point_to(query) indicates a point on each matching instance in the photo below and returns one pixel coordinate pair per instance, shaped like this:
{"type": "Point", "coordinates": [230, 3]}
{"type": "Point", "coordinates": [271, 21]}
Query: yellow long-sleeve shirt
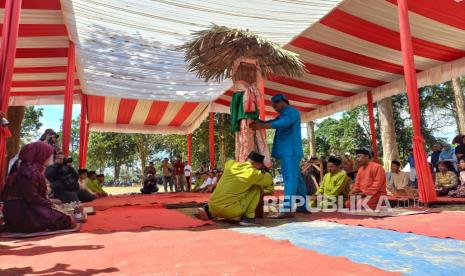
{"type": "Point", "coordinates": [237, 180]}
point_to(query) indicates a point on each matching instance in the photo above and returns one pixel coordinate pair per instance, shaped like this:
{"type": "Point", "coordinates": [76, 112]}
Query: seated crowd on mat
{"type": "Point", "coordinates": [40, 182]}
{"type": "Point", "coordinates": [178, 176]}
{"type": "Point", "coordinates": [449, 168]}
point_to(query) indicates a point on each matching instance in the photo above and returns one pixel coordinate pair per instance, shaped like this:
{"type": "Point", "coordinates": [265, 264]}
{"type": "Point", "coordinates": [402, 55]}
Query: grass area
{"type": "Point", "coordinates": [122, 190]}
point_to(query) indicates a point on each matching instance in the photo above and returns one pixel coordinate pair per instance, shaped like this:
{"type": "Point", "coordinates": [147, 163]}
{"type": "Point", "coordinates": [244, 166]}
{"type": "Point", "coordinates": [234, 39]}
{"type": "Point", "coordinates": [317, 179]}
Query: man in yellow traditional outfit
{"type": "Point", "coordinates": [335, 183]}
{"type": "Point", "coordinates": [237, 194]}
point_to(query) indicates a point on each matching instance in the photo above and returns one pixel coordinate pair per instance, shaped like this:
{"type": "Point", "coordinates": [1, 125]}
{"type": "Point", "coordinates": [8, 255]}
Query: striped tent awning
{"type": "Point", "coordinates": [136, 81]}
{"type": "Point", "coordinates": [113, 114]}
{"type": "Point", "coordinates": [356, 48]}
{"type": "Point", "coordinates": [41, 55]}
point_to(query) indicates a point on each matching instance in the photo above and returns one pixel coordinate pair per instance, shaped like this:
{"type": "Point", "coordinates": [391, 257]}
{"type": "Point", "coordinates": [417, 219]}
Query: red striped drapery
{"type": "Point", "coordinates": [426, 189]}
{"type": "Point", "coordinates": [68, 104]}
{"type": "Point", "coordinates": [83, 133]}
{"type": "Point", "coordinates": [7, 57]}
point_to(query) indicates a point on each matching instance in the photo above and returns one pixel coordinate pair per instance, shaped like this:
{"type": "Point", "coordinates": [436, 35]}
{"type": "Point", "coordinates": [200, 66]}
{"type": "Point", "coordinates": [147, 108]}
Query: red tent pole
{"type": "Point", "coordinates": [82, 132]}
{"type": "Point", "coordinates": [68, 110]}
{"type": "Point", "coordinates": [86, 147]}
{"type": "Point", "coordinates": [371, 117]}
{"type": "Point", "coordinates": [212, 140]}
{"type": "Point", "coordinates": [7, 59]}
{"type": "Point", "coordinates": [189, 148]}
{"type": "Point", "coordinates": [189, 156]}
{"type": "Point", "coordinates": [261, 103]}
{"type": "Point", "coordinates": [426, 189]}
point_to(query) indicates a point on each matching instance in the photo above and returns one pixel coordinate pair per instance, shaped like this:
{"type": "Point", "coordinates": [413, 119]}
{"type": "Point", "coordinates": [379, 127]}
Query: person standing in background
{"type": "Point", "coordinates": [188, 174]}
{"type": "Point", "coordinates": [167, 171]}
{"type": "Point", "coordinates": [181, 184]}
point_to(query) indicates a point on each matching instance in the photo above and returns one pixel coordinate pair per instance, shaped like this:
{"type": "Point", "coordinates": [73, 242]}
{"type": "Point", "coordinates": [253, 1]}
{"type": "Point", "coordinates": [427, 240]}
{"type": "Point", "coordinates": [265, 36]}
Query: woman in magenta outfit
{"type": "Point", "coordinates": [26, 206]}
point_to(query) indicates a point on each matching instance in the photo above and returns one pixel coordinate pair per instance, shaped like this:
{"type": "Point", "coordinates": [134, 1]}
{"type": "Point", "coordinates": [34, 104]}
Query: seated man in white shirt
{"type": "Point", "coordinates": [398, 184]}
{"type": "Point", "coordinates": [210, 181]}
{"type": "Point", "coordinates": [188, 175]}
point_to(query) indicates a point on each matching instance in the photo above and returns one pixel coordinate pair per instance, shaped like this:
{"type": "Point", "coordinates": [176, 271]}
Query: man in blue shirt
{"type": "Point", "coordinates": [287, 147]}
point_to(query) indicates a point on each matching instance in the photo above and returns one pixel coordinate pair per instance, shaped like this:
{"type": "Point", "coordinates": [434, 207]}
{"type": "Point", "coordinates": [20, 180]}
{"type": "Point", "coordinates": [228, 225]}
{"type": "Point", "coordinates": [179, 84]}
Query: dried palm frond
{"type": "Point", "coordinates": [212, 52]}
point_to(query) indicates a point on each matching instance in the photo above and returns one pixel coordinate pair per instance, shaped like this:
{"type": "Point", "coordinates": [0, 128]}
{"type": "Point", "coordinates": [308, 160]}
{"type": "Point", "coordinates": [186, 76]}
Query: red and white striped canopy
{"type": "Point", "coordinates": [354, 49]}
{"type": "Point", "coordinates": [41, 55]}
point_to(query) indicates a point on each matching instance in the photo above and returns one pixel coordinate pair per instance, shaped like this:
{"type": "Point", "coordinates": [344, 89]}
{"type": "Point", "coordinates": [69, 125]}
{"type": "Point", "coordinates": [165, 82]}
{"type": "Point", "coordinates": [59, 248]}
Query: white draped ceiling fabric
{"type": "Point", "coordinates": [136, 81]}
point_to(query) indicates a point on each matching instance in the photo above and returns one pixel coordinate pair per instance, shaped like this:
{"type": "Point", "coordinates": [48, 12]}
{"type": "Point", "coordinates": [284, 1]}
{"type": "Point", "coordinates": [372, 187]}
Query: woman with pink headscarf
{"type": "Point", "coordinates": [26, 206]}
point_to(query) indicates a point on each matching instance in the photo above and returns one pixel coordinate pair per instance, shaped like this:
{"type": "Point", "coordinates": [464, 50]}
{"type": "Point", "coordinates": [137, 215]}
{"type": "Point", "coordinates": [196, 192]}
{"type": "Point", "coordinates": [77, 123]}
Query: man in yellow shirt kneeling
{"type": "Point", "coordinates": [237, 194]}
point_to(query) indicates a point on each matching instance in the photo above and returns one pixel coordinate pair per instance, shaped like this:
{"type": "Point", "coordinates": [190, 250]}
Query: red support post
{"type": "Point", "coordinates": [7, 59]}
{"type": "Point", "coordinates": [189, 148]}
{"type": "Point", "coordinates": [426, 188]}
{"type": "Point", "coordinates": [83, 133]}
{"type": "Point", "coordinates": [371, 117]}
{"type": "Point", "coordinates": [261, 103]}
{"type": "Point", "coordinates": [68, 110]}
{"type": "Point", "coordinates": [212, 140]}
{"type": "Point", "coordinates": [86, 147]}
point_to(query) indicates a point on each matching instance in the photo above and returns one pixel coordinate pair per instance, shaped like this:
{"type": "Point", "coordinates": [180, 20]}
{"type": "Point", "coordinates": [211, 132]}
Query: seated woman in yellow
{"type": "Point", "coordinates": [335, 183]}
{"type": "Point", "coordinates": [237, 194]}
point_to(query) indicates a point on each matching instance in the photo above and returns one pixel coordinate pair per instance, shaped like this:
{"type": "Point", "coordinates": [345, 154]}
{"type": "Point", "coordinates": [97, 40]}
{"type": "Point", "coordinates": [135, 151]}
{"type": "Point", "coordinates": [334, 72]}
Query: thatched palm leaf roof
{"type": "Point", "coordinates": [212, 52]}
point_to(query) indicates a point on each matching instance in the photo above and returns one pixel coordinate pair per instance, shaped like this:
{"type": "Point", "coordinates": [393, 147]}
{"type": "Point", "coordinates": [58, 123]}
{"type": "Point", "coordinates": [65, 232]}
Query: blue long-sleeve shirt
{"type": "Point", "coordinates": [288, 137]}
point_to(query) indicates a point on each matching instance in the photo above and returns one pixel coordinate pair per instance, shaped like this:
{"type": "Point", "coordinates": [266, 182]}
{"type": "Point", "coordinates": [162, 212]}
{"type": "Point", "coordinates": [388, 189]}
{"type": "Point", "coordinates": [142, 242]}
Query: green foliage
{"type": "Point", "coordinates": [31, 124]}
{"type": "Point", "coordinates": [74, 145]}
{"type": "Point", "coordinates": [111, 150]}
{"type": "Point", "coordinates": [339, 136]}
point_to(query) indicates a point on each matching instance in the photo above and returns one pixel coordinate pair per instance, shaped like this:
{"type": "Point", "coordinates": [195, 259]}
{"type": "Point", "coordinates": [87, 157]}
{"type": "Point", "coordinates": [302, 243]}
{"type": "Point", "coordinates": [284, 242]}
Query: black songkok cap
{"type": "Point", "coordinates": [256, 157]}
{"type": "Point", "coordinates": [363, 151]}
{"type": "Point", "coordinates": [336, 161]}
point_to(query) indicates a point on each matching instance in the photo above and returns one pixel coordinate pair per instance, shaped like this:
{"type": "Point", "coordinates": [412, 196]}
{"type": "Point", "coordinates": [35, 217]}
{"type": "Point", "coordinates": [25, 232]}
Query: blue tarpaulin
{"type": "Point", "coordinates": [409, 254]}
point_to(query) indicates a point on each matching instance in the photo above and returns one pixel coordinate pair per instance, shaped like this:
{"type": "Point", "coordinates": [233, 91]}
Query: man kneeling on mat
{"type": "Point", "coordinates": [237, 194]}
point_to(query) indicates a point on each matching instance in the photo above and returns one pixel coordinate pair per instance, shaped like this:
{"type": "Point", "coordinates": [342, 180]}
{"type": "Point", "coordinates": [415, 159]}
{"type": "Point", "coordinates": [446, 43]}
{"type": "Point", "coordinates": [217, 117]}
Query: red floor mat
{"type": "Point", "coordinates": [441, 199]}
{"type": "Point", "coordinates": [130, 218]}
{"type": "Point", "coordinates": [214, 252]}
{"type": "Point", "coordinates": [168, 198]}
{"type": "Point", "coordinates": [440, 225]}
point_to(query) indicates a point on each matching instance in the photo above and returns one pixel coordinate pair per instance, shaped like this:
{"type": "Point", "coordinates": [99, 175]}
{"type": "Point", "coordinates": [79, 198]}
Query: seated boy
{"type": "Point", "coordinates": [335, 183]}
{"type": "Point", "coordinates": [398, 184]}
{"type": "Point", "coordinates": [150, 185]}
{"type": "Point", "coordinates": [211, 180]}
{"type": "Point", "coordinates": [94, 186]}
{"type": "Point", "coordinates": [84, 193]}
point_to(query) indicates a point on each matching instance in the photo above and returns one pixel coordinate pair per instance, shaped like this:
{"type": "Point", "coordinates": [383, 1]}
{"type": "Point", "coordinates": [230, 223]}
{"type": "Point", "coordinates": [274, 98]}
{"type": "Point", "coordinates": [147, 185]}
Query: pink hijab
{"type": "Point", "coordinates": [37, 152]}
{"type": "Point", "coordinates": [33, 157]}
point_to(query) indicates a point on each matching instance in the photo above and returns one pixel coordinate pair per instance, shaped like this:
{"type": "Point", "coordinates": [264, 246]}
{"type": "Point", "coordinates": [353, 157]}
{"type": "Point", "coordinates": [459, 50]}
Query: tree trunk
{"type": "Point", "coordinates": [388, 133]}
{"type": "Point", "coordinates": [15, 116]}
{"type": "Point", "coordinates": [141, 145]}
{"type": "Point", "coordinates": [459, 105]}
{"type": "Point", "coordinates": [117, 169]}
{"type": "Point", "coordinates": [311, 138]}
